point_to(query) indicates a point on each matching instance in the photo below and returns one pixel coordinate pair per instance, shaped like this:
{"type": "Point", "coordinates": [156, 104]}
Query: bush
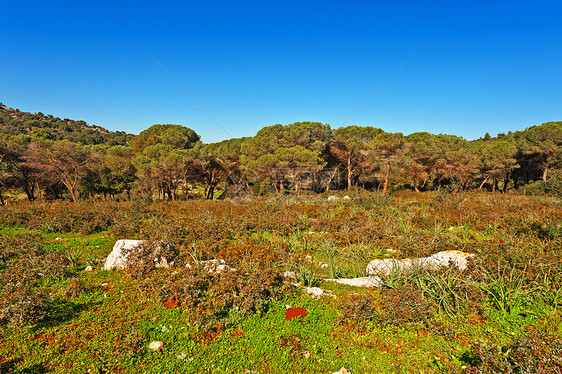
{"type": "Point", "coordinates": [533, 353]}
{"type": "Point", "coordinates": [219, 299]}
{"type": "Point", "coordinates": [552, 187]}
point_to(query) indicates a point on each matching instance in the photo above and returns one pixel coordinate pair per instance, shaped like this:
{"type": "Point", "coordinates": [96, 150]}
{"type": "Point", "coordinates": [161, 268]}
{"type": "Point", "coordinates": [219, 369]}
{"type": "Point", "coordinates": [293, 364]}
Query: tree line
{"type": "Point", "coordinates": [170, 161]}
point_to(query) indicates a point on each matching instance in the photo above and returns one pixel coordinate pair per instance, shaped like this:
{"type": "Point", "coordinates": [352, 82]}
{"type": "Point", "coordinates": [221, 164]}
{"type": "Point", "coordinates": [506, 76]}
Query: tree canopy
{"type": "Point", "coordinates": [45, 156]}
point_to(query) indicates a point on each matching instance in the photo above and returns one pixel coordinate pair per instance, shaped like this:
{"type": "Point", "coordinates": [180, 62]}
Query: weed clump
{"type": "Point", "coordinates": [216, 300]}
{"type": "Point", "coordinates": [533, 353]}
{"type": "Point", "coordinates": [24, 266]}
{"type": "Point", "coordinates": [22, 304]}
{"type": "Point", "coordinates": [403, 305]}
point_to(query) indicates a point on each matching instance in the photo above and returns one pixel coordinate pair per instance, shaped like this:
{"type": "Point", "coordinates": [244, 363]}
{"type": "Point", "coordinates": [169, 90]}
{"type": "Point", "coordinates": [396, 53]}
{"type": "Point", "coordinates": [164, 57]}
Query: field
{"type": "Point", "coordinates": [502, 314]}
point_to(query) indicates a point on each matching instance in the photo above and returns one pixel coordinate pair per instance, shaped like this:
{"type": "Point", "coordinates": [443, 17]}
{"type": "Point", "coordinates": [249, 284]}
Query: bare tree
{"type": "Point", "coordinates": [62, 162]}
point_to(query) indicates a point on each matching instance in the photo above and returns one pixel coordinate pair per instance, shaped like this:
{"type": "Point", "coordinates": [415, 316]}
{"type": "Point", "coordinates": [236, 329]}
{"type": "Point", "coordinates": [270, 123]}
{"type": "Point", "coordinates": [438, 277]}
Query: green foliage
{"type": "Point", "coordinates": [533, 352]}
{"type": "Point", "coordinates": [46, 127]}
{"type": "Point", "coordinates": [174, 136]}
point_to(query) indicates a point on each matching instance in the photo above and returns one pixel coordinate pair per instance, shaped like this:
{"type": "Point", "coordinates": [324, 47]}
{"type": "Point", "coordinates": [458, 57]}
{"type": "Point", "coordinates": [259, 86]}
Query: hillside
{"type": "Point", "coordinates": [45, 126]}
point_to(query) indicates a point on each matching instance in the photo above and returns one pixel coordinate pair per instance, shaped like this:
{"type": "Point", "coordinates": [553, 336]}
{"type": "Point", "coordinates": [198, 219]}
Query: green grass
{"type": "Point", "coordinates": [103, 321]}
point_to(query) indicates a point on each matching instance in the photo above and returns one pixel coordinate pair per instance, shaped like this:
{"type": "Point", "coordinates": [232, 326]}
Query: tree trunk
{"type": "Point", "coordinates": [484, 182]}
{"type": "Point", "coordinates": [505, 183]}
{"type": "Point", "coordinates": [545, 173]}
{"type": "Point", "coordinates": [415, 182]}
{"type": "Point", "coordinates": [386, 177]}
{"type": "Point", "coordinates": [71, 190]}
{"type": "Point", "coordinates": [349, 171]}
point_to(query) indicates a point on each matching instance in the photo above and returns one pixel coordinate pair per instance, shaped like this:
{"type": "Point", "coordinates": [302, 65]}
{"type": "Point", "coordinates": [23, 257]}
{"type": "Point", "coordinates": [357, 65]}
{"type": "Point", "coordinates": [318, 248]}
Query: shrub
{"type": "Point", "coordinates": [404, 304]}
{"type": "Point", "coordinates": [358, 309]}
{"type": "Point", "coordinates": [219, 299]}
{"type": "Point", "coordinates": [532, 353]}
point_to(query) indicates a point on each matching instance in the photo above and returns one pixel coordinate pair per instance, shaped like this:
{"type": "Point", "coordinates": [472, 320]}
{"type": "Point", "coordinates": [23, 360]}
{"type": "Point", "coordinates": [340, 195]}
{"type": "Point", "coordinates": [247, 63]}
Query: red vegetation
{"type": "Point", "coordinates": [172, 303]}
{"type": "Point", "coordinates": [295, 312]}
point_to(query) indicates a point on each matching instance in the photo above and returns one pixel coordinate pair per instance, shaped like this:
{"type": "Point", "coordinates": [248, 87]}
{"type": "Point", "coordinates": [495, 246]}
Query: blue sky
{"type": "Point", "coordinates": [477, 67]}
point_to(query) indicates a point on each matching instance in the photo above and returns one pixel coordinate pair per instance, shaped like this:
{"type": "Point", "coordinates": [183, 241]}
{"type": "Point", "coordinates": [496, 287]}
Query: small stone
{"type": "Point", "coordinates": [315, 291]}
{"type": "Point", "coordinates": [89, 268]}
{"type": "Point", "coordinates": [346, 197]}
{"type": "Point", "coordinates": [332, 198]}
{"type": "Point", "coordinates": [343, 371]}
{"type": "Point", "coordinates": [289, 274]}
{"type": "Point", "coordinates": [156, 345]}
{"type": "Point", "coordinates": [57, 239]}
{"type": "Point", "coordinates": [306, 354]}
{"type": "Point", "coordinates": [324, 266]}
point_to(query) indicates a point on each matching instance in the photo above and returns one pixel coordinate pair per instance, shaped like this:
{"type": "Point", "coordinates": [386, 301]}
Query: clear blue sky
{"type": "Point", "coordinates": [478, 66]}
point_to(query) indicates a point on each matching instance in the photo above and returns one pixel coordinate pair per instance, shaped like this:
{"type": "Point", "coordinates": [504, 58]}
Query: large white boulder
{"type": "Point", "coordinates": [438, 260]}
{"type": "Point", "coordinates": [162, 253]}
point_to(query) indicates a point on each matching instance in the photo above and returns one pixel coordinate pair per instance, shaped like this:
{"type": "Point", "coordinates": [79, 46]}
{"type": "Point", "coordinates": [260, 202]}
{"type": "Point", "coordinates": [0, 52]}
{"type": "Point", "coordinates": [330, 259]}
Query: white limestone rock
{"type": "Point", "coordinates": [290, 274]}
{"type": "Point", "coordinates": [163, 253]}
{"type": "Point", "coordinates": [373, 281]}
{"type": "Point", "coordinates": [315, 291]}
{"type": "Point", "coordinates": [342, 371]}
{"type": "Point", "coordinates": [447, 258]}
{"type": "Point", "coordinates": [156, 345]}
{"type": "Point", "coordinates": [214, 266]}
{"type": "Point", "coordinates": [385, 267]}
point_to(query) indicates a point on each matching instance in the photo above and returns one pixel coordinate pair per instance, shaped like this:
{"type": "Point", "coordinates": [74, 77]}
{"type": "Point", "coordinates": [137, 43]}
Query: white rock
{"type": "Point", "coordinates": [324, 266]}
{"type": "Point", "coordinates": [448, 258]}
{"type": "Point", "coordinates": [332, 198]}
{"type": "Point", "coordinates": [360, 282]}
{"type": "Point", "coordinates": [117, 259]}
{"type": "Point", "coordinates": [317, 292]}
{"type": "Point", "coordinates": [289, 274]}
{"type": "Point", "coordinates": [89, 268]}
{"type": "Point", "coordinates": [342, 371]}
{"type": "Point", "coordinates": [156, 345]}
{"type": "Point", "coordinates": [387, 266]}
{"type": "Point", "coordinates": [216, 266]}
{"type": "Point", "coordinates": [435, 261]}
{"type": "Point", "coordinates": [57, 239]}
{"type": "Point", "coordinates": [346, 197]}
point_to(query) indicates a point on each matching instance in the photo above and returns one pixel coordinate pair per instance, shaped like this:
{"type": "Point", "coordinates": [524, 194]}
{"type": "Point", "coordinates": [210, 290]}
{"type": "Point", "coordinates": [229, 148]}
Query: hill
{"type": "Point", "coordinates": [45, 126]}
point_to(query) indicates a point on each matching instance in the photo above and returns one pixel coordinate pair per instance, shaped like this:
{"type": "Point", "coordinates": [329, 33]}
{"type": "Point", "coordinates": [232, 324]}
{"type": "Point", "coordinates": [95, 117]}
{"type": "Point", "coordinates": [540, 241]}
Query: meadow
{"type": "Point", "coordinates": [501, 315]}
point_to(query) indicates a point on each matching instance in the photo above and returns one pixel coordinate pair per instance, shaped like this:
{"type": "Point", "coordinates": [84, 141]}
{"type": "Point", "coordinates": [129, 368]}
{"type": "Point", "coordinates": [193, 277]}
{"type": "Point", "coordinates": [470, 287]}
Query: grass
{"type": "Point", "coordinates": [502, 313]}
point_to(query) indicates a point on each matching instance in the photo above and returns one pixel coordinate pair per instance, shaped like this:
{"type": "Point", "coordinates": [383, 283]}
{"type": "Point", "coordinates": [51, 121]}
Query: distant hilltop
{"type": "Point", "coordinates": [45, 126]}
